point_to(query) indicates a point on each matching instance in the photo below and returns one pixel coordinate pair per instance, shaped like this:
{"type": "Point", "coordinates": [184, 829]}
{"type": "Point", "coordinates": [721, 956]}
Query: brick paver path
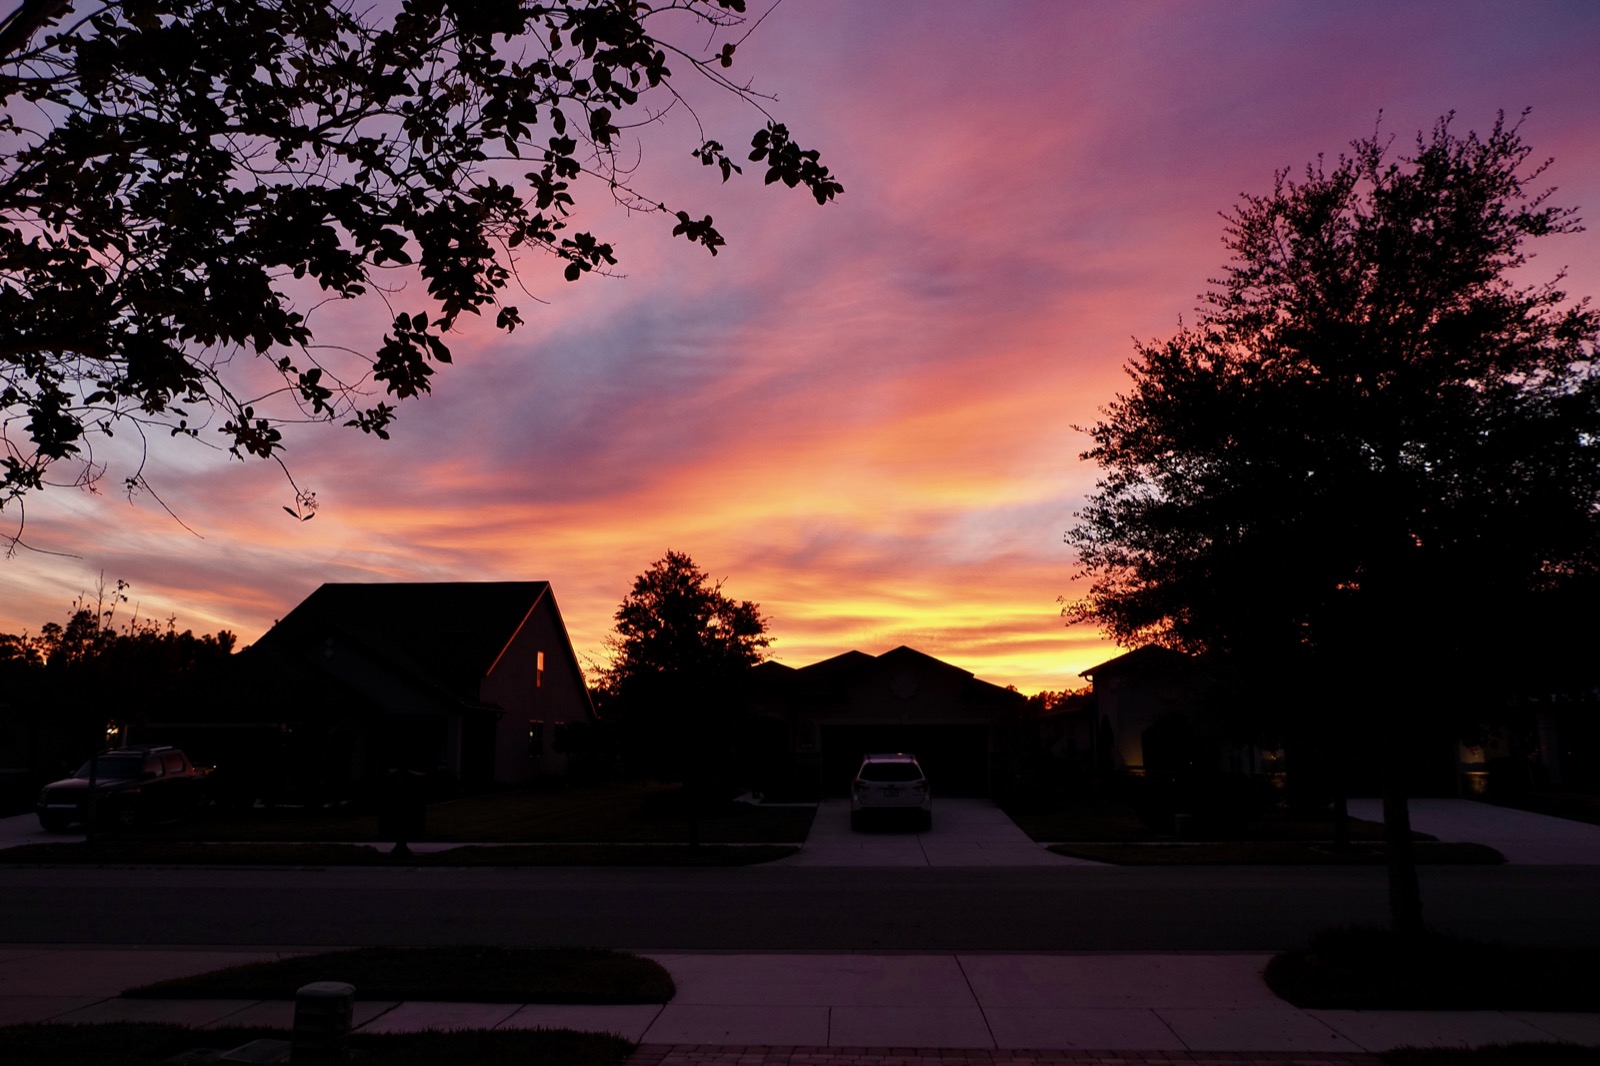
{"type": "Point", "coordinates": [716, 1055]}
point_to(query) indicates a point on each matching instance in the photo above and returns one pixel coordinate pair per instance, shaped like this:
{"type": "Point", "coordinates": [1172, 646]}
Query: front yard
{"type": "Point", "coordinates": [599, 825]}
{"type": "Point", "coordinates": [1107, 831]}
{"type": "Point", "coordinates": [594, 814]}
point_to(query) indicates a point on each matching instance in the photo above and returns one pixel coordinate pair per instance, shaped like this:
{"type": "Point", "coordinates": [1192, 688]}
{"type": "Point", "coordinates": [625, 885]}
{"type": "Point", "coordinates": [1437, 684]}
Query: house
{"type": "Point", "coordinates": [830, 713]}
{"type": "Point", "coordinates": [1133, 693]}
{"type": "Point", "coordinates": [472, 681]}
{"type": "Point", "coordinates": [1160, 710]}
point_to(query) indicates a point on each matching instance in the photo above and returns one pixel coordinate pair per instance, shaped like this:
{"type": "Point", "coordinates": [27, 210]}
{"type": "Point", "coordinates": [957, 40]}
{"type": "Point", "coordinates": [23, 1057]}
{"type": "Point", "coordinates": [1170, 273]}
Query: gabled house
{"type": "Point", "coordinates": [1148, 688]}
{"type": "Point", "coordinates": [472, 681]}
{"type": "Point", "coordinates": [839, 709]}
{"type": "Point", "coordinates": [1162, 711]}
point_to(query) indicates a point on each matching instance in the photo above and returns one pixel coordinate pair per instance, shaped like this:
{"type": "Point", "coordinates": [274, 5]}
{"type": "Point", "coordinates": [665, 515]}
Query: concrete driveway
{"type": "Point", "coordinates": [966, 832]}
{"type": "Point", "coordinates": [1525, 839]}
{"type": "Point", "coordinates": [25, 829]}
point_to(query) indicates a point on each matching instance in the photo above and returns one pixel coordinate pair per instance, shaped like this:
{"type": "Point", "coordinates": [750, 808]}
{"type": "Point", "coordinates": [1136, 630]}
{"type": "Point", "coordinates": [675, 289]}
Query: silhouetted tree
{"type": "Point", "coordinates": [680, 651]}
{"type": "Point", "coordinates": [67, 683]}
{"type": "Point", "coordinates": [1045, 701]}
{"type": "Point", "coordinates": [1369, 472]}
{"type": "Point", "coordinates": [183, 182]}
{"type": "Point", "coordinates": [93, 666]}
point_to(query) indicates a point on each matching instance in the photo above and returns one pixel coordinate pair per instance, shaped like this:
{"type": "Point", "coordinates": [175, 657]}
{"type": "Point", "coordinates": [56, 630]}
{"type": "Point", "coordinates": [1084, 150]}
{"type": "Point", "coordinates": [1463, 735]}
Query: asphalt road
{"type": "Point", "coordinates": [779, 908]}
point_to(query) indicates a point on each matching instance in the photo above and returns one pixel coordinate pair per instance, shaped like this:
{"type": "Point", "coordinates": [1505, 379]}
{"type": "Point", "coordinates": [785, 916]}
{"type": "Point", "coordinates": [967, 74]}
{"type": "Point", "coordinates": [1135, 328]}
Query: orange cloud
{"type": "Point", "coordinates": [861, 416]}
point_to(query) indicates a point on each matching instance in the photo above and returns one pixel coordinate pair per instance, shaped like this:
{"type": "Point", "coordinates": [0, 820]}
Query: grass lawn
{"type": "Point", "coordinates": [448, 974]}
{"type": "Point", "coordinates": [1102, 821]}
{"type": "Point", "coordinates": [1578, 806]}
{"type": "Point", "coordinates": [1372, 969]}
{"type": "Point", "coordinates": [605, 813]}
{"type": "Point", "coordinates": [608, 855]}
{"type": "Point", "coordinates": [139, 1044]}
{"type": "Point", "coordinates": [140, 851]}
{"type": "Point", "coordinates": [1106, 831]}
{"type": "Point", "coordinates": [1271, 853]}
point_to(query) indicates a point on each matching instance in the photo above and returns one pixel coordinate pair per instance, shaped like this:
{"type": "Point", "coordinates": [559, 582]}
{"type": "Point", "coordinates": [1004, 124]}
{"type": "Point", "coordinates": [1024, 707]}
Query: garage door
{"type": "Point", "coordinates": [955, 757]}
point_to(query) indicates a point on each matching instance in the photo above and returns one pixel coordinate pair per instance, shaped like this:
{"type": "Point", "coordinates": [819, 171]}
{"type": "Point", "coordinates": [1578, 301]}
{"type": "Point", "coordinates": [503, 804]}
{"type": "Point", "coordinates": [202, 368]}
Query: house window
{"type": "Point", "coordinates": [535, 737]}
{"type": "Point", "coordinates": [538, 670]}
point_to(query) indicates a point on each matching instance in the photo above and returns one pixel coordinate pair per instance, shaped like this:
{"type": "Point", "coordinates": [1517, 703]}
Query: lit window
{"type": "Point", "coordinates": [538, 670]}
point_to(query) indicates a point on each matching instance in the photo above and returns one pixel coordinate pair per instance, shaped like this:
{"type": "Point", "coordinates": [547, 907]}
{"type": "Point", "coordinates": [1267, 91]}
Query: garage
{"type": "Point", "coordinates": [954, 756]}
{"type": "Point", "coordinates": [856, 704]}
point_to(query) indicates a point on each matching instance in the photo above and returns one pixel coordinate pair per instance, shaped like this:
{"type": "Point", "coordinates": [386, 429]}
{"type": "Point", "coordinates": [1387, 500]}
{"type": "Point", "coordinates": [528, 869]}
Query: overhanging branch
{"type": "Point", "coordinates": [29, 17]}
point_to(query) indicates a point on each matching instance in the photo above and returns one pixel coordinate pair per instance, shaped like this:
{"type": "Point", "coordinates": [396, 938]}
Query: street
{"type": "Point", "coordinates": [782, 908]}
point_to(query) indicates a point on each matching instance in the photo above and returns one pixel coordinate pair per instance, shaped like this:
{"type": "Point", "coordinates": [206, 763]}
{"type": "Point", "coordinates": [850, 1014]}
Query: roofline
{"type": "Point", "coordinates": [1148, 648]}
{"type": "Point", "coordinates": [566, 640]}
{"type": "Point", "coordinates": [501, 654]}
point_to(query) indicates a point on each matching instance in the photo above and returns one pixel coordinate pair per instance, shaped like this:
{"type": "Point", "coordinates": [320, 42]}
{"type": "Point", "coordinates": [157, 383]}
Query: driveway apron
{"type": "Point", "coordinates": [966, 832]}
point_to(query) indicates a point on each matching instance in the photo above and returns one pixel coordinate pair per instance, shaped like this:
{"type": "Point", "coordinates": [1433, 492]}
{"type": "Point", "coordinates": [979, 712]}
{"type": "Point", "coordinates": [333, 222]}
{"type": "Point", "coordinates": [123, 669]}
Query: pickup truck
{"type": "Point", "coordinates": [131, 785]}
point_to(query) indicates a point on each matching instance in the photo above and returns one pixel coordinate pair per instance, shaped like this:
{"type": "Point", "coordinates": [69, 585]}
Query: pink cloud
{"type": "Point", "coordinates": [862, 416]}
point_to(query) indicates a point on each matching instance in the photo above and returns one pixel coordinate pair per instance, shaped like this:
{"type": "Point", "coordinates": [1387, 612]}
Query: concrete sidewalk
{"type": "Point", "coordinates": [1176, 1007]}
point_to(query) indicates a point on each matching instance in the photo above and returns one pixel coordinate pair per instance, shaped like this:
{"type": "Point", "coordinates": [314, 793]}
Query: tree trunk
{"type": "Point", "coordinates": [1405, 895]}
{"type": "Point", "coordinates": [1339, 778]}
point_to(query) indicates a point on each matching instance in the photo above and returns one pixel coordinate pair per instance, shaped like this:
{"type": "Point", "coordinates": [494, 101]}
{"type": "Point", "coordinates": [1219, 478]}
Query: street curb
{"type": "Point", "coordinates": [747, 1055]}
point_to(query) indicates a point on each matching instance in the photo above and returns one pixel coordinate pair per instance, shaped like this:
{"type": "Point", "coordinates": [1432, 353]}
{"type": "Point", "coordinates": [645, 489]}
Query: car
{"type": "Point", "coordinates": [130, 785]}
{"type": "Point", "coordinates": [891, 786]}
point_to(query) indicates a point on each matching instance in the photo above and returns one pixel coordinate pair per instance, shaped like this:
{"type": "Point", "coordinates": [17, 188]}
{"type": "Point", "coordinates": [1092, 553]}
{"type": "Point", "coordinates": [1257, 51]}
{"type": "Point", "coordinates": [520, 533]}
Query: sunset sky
{"type": "Point", "coordinates": [860, 416]}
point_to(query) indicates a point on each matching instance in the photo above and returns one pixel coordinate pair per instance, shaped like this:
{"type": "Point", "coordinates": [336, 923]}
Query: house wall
{"type": "Point", "coordinates": [907, 692]}
{"type": "Point", "coordinates": [553, 698]}
{"type": "Point", "coordinates": [903, 703]}
{"type": "Point", "coordinates": [1131, 704]}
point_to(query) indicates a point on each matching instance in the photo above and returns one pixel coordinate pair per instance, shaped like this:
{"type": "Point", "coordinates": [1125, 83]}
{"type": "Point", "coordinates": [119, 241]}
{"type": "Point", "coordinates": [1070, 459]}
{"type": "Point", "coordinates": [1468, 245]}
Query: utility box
{"type": "Point", "coordinates": [323, 1014]}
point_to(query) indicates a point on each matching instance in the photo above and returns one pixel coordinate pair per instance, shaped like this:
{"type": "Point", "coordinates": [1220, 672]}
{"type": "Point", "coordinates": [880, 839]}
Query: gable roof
{"type": "Point", "coordinates": [837, 666]}
{"type": "Point", "coordinates": [1147, 659]}
{"type": "Point", "coordinates": [833, 675]}
{"type": "Point", "coordinates": [448, 633]}
{"type": "Point", "coordinates": [911, 658]}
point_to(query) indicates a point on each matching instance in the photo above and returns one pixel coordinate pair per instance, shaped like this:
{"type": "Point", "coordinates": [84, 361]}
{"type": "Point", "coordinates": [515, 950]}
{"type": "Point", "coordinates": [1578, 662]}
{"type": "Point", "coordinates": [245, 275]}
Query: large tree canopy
{"type": "Point", "coordinates": [1376, 420]}
{"type": "Point", "coordinates": [679, 638]}
{"type": "Point", "coordinates": [184, 183]}
{"type": "Point", "coordinates": [1376, 452]}
{"type": "Point", "coordinates": [679, 654]}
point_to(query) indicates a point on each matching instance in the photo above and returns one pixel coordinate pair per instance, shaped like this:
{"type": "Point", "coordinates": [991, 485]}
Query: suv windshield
{"type": "Point", "coordinates": [891, 771]}
{"type": "Point", "coordinates": [122, 767]}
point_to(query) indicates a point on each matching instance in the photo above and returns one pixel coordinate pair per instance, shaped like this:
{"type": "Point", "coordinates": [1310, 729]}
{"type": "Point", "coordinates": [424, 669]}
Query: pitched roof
{"type": "Point", "coordinates": [1147, 658]}
{"type": "Point", "coordinates": [449, 633]}
{"type": "Point", "coordinates": [911, 657]}
{"type": "Point", "coordinates": [837, 666]}
{"type": "Point", "coordinates": [841, 670]}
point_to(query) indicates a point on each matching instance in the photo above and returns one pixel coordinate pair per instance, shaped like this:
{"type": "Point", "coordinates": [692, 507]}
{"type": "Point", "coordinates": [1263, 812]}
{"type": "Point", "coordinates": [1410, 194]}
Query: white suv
{"type": "Point", "coordinates": [891, 784]}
